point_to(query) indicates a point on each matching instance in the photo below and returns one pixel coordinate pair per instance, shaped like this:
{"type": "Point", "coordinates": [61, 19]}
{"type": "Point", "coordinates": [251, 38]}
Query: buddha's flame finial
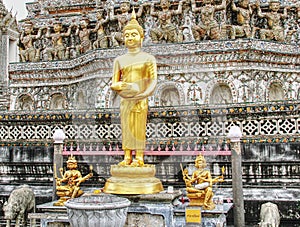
{"type": "Point", "coordinates": [133, 15]}
{"type": "Point", "coordinates": [134, 24]}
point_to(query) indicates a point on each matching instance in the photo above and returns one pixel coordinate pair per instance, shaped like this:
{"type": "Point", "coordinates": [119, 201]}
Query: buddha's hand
{"type": "Point", "coordinates": [119, 86]}
{"type": "Point", "coordinates": [126, 90]}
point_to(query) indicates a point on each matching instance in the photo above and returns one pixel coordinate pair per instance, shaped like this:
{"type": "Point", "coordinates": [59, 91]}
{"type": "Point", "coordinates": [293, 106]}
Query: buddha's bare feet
{"type": "Point", "coordinates": [125, 162]}
{"type": "Point", "coordinates": [137, 163]}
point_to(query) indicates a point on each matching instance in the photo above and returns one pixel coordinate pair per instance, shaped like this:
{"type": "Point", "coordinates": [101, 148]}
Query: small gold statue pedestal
{"type": "Point", "coordinates": [61, 201]}
{"type": "Point", "coordinates": [198, 200]}
{"type": "Point", "coordinates": [129, 180]}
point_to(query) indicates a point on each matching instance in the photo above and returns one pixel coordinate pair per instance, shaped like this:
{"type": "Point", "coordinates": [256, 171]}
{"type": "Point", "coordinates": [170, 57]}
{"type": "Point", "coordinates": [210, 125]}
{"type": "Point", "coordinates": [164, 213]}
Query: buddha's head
{"type": "Point", "coordinates": [134, 24]}
{"type": "Point", "coordinates": [133, 33]}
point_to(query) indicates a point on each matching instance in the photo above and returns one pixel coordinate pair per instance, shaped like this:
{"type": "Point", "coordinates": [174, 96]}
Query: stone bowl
{"type": "Point", "coordinates": [97, 210]}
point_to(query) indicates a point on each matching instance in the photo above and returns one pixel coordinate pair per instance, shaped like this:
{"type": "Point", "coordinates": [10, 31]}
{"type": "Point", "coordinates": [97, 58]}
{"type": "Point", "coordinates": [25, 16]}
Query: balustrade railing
{"type": "Point", "coordinates": [151, 150]}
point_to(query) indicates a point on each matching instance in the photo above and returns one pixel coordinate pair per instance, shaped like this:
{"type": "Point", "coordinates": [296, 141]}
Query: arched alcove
{"type": "Point", "coordinates": [276, 92]}
{"type": "Point", "coordinates": [57, 101]}
{"type": "Point", "coordinates": [221, 94]}
{"type": "Point", "coordinates": [170, 97]}
{"type": "Point", "coordinates": [25, 102]}
{"type": "Point", "coordinates": [169, 94]}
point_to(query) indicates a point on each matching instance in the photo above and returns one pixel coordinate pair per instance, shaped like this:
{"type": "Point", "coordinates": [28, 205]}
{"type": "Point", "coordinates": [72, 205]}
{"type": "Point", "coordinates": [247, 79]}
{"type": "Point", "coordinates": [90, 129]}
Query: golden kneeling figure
{"type": "Point", "coordinates": [199, 185]}
{"type": "Point", "coordinates": [73, 178]}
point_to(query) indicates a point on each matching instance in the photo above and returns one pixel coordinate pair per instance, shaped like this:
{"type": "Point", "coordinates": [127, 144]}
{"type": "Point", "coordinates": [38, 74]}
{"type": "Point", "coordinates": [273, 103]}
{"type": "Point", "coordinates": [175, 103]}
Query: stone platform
{"type": "Point", "coordinates": [145, 210]}
{"type": "Point", "coordinates": [50, 216]}
{"type": "Point", "coordinates": [152, 209]}
{"type": "Point", "coordinates": [216, 217]}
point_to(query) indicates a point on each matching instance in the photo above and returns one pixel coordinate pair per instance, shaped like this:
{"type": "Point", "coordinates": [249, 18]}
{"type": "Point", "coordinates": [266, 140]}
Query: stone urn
{"type": "Point", "coordinates": [103, 210]}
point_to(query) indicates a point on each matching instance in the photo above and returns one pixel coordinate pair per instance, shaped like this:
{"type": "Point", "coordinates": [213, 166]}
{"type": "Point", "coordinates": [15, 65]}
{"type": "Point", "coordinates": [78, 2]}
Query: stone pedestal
{"type": "Point", "coordinates": [128, 180]}
{"type": "Point", "coordinates": [145, 210]}
{"type": "Point", "coordinates": [151, 210]}
{"type": "Point", "coordinates": [215, 217]}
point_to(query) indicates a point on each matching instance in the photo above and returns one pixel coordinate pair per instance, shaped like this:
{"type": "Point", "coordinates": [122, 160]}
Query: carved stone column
{"type": "Point", "coordinates": [58, 138]}
{"type": "Point", "coordinates": [235, 135]}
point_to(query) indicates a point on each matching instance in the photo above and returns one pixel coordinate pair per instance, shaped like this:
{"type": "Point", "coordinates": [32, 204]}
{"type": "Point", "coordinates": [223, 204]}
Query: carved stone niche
{"type": "Point", "coordinates": [170, 97]}
{"type": "Point", "coordinates": [57, 102]}
{"type": "Point", "coordinates": [276, 92]}
{"type": "Point", "coordinates": [25, 102]}
{"type": "Point", "coordinates": [221, 94]}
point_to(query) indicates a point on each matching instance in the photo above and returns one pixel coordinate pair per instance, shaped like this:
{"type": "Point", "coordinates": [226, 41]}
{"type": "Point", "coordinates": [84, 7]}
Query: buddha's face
{"type": "Point", "coordinates": [132, 38]}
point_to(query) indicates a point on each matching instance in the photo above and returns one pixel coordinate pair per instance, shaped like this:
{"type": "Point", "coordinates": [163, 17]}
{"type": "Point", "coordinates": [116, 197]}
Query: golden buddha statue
{"type": "Point", "coordinates": [73, 179]}
{"type": "Point", "coordinates": [134, 79]}
{"type": "Point", "coordinates": [199, 185]}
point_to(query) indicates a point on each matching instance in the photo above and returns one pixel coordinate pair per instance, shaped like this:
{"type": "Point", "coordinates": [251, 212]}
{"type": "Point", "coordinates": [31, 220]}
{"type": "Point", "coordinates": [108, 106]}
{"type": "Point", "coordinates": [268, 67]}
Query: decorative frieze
{"type": "Point", "coordinates": [187, 22]}
{"type": "Point", "coordinates": [266, 122]}
{"type": "Point", "coordinates": [192, 76]}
